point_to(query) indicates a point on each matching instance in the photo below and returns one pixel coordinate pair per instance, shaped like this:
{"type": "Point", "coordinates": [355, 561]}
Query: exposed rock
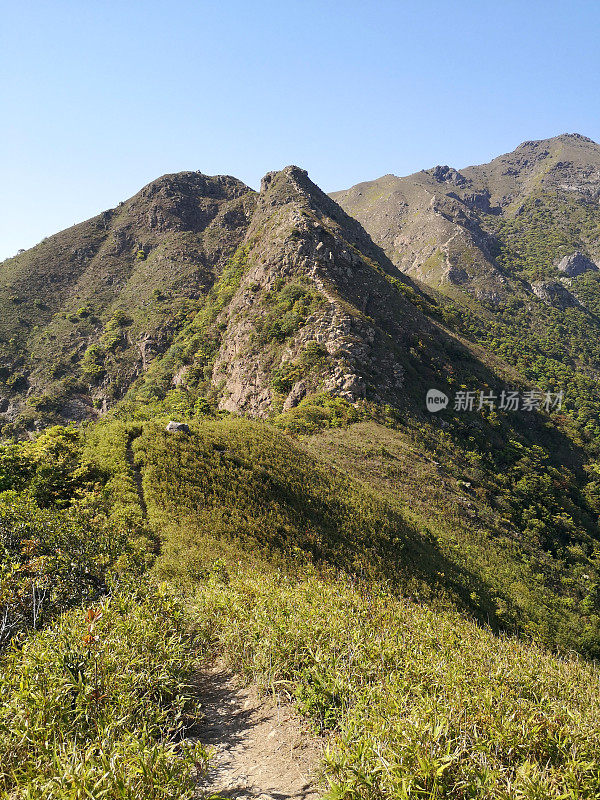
{"type": "Point", "coordinates": [554, 294]}
{"type": "Point", "coordinates": [300, 236]}
{"type": "Point", "coordinates": [296, 395]}
{"type": "Point", "coordinates": [479, 201]}
{"type": "Point", "coordinates": [446, 174]}
{"type": "Point", "coordinates": [348, 385]}
{"type": "Point", "coordinates": [576, 264]}
{"type": "Point", "coordinates": [177, 427]}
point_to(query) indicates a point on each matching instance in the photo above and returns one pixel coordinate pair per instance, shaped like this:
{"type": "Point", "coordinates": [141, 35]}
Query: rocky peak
{"type": "Point", "coordinates": [184, 200]}
{"type": "Point", "coordinates": [218, 187]}
{"type": "Point", "coordinates": [542, 145]}
{"type": "Point", "coordinates": [300, 242]}
{"type": "Point", "coordinates": [446, 174]}
{"type": "Point", "coordinates": [292, 188]}
{"type": "Point", "coordinates": [576, 137]}
{"type": "Point", "coordinates": [293, 175]}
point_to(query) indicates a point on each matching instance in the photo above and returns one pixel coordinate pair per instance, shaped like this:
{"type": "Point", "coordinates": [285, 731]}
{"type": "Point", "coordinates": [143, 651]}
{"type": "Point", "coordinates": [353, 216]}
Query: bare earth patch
{"type": "Point", "coordinates": [260, 748]}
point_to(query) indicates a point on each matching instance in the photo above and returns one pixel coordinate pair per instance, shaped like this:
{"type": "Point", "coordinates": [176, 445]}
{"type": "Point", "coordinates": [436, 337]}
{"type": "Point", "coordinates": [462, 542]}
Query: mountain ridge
{"type": "Point", "coordinates": [118, 303]}
{"type": "Point", "coordinates": [255, 473]}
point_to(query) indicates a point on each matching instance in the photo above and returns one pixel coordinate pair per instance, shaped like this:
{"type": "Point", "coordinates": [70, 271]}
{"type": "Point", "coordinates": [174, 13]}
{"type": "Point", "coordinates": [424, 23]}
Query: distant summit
{"type": "Point", "coordinates": [445, 227]}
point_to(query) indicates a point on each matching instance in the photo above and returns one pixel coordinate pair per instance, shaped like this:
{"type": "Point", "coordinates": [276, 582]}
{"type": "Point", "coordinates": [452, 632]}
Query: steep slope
{"type": "Point", "coordinates": [515, 253]}
{"type": "Point", "coordinates": [307, 305]}
{"type": "Point", "coordinates": [348, 329]}
{"type": "Point", "coordinates": [566, 163]}
{"type": "Point", "coordinates": [440, 225]}
{"type": "Point", "coordinates": [85, 310]}
{"type": "Point", "coordinates": [428, 231]}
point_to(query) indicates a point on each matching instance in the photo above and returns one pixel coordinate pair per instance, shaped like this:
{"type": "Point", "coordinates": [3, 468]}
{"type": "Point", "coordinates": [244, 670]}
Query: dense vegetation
{"type": "Point", "coordinates": [298, 575]}
{"type": "Point", "coordinates": [421, 703]}
{"type": "Point", "coordinates": [94, 706]}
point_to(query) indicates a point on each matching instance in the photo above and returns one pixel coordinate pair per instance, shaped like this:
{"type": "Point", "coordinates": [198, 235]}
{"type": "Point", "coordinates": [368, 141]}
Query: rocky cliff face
{"type": "Point", "coordinates": [449, 228]}
{"type": "Point", "coordinates": [356, 326]}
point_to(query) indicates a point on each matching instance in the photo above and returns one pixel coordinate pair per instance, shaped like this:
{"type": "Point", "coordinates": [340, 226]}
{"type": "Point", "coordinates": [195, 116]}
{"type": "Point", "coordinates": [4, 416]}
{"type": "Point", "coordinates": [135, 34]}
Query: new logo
{"type": "Point", "coordinates": [436, 400]}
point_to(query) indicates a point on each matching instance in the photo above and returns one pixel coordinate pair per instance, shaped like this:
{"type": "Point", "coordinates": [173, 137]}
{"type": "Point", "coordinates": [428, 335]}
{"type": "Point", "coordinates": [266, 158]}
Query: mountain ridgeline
{"type": "Point", "coordinates": [329, 318]}
{"type": "Point", "coordinates": [257, 300]}
{"type": "Point", "coordinates": [422, 580]}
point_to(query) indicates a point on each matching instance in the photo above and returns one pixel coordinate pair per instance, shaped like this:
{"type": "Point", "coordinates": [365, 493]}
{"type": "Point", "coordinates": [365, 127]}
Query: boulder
{"type": "Point", "coordinates": [177, 427]}
{"type": "Point", "coordinates": [576, 264]}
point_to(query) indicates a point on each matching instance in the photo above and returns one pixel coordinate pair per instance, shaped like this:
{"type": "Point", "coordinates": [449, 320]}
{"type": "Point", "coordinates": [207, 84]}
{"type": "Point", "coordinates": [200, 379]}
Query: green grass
{"type": "Point", "coordinates": [95, 706]}
{"type": "Point", "coordinates": [240, 490]}
{"type": "Point", "coordinates": [236, 489]}
{"type": "Point", "coordinates": [418, 703]}
{"type": "Point", "coordinates": [369, 614]}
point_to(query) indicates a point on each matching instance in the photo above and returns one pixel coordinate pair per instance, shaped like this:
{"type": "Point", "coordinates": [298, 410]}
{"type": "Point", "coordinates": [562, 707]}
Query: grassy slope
{"type": "Point", "coordinates": [422, 702]}
{"type": "Point", "coordinates": [300, 576]}
{"type": "Point", "coordinates": [436, 487]}
{"type": "Point", "coordinates": [367, 500]}
{"type": "Point", "coordinates": [236, 488]}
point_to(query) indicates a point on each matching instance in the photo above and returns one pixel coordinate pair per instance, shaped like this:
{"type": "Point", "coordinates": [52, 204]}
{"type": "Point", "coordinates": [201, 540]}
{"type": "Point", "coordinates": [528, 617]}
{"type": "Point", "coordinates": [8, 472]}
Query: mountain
{"type": "Point", "coordinates": [200, 285]}
{"type": "Point", "coordinates": [85, 311]}
{"type": "Point", "coordinates": [514, 246]}
{"type": "Point", "coordinates": [199, 298]}
{"type": "Point", "coordinates": [415, 577]}
{"type": "Point", "coordinates": [447, 227]}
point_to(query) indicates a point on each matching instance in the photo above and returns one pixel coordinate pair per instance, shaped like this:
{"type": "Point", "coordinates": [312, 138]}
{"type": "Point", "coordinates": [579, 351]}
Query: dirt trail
{"type": "Point", "coordinates": [261, 749]}
{"type": "Point", "coordinates": [137, 476]}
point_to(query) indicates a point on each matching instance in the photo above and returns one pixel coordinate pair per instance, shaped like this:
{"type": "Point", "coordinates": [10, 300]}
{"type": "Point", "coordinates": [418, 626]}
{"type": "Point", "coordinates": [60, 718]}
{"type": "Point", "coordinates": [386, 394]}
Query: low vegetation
{"type": "Point", "coordinates": [376, 620]}
{"type": "Point", "coordinates": [95, 706]}
{"type": "Point", "coordinates": [418, 703]}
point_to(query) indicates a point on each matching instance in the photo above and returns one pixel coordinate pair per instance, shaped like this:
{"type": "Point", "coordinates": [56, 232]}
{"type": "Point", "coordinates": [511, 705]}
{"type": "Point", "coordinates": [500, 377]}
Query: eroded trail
{"type": "Point", "coordinates": [261, 749]}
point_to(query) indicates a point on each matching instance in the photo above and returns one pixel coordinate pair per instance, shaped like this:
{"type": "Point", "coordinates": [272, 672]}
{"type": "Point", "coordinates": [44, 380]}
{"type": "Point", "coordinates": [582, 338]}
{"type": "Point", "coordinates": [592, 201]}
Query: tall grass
{"type": "Point", "coordinates": [95, 706]}
{"type": "Point", "coordinates": [419, 703]}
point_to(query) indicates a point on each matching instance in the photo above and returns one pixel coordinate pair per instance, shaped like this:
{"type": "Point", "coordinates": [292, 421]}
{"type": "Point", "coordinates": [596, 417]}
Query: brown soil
{"type": "Point", "coordinates": [260, 748]}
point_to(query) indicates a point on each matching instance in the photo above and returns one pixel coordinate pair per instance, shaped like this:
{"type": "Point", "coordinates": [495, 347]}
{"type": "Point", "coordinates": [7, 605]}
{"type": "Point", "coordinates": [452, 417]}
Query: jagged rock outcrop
{"type": "Point", "coordinates": [446, 174]}
{"type": "Point", "coordinates": [576, 264]}
{"type": "Point", "coordinates": [554, 293]}
{"type": "Point", "coordinates": [299, 236]}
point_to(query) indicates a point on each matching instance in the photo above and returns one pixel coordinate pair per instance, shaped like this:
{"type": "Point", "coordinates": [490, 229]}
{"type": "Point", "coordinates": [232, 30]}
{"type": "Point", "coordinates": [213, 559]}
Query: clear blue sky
{"type": "Point", "coordinates": [98, 97]}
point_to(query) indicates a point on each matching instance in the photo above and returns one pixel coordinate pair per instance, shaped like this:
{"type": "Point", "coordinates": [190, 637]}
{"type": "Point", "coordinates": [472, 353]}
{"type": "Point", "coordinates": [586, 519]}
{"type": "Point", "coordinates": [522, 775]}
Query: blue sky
{"type": "Point", "coordinates": [98, 98]}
